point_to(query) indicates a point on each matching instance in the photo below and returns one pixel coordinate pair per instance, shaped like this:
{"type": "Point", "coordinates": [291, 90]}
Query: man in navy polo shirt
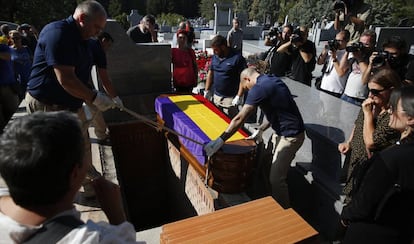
{"type": "Point", "coordinates": [223, 77]}
{"type": "Point", "coordinates": [62, 67]}
{"type": "Point", "coordinates": [9, 99]}
{"type": "Point", "coordinates": [281, 113]}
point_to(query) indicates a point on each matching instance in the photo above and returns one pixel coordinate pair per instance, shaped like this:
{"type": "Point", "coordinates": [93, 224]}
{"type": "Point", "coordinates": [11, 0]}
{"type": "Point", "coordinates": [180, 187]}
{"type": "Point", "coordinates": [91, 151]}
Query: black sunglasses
{"type": "Point", "coordinates": [376, 92]}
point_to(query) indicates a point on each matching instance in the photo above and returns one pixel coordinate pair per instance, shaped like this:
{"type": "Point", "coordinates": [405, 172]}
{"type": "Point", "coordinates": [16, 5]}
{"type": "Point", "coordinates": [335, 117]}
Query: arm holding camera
{"type": "Point", "coordinates": [368, 71]}
{"type": "Point", "coordinates": [322, 57]}
{"type": "Point", "coordinates": [284, 48]}
{"type": "Point", "coordinates": [344, 65]}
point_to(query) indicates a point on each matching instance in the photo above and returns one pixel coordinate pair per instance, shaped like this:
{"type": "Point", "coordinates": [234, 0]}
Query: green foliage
{"type": "Point", "coordinates": [114, 8]}
{"type": "Point", "coordinates": [384, 13]}
{"type": "Point", "coordinates": [207, 7]}
{"type": "Point", "coordinates": [170, 19]}
{"type": "Point", "coordinates": [156, 7]}
{"type": "Point", "coordinates": [122, 19]}
{"type": "Point", "coordinates": [255, 13]}
{"type": "Point", "coordinates": [37, 13]}
{"type": "Point", "coordinates": [242, 5]}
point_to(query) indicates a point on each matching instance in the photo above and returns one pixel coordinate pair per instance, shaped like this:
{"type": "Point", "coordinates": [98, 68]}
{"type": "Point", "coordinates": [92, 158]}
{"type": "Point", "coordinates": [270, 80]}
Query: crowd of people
{"type": "Point", "coordinates": [54, 78]}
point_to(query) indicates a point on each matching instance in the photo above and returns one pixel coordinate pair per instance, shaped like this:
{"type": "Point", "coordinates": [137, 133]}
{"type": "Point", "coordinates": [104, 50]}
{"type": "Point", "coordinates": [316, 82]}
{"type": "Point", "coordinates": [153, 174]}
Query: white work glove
{"type": "Point", "coordinates": [103, 102]}
{"type": "Point", "coordinates": [237, 101]}
{"type": "Point", "coordinates": [208, 94]}
{"type": "Point", "coordinates": [118, 102]}
{"type": "Point", "coordinates": [213, 146]}
{"type": "Point", "coordinates": [257, 136]}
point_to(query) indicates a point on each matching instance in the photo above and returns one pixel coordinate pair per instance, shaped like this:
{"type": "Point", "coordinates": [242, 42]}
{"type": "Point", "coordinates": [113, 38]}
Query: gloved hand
{"type": "Point", "coordinates": [208, 94]}
{"type": "Point", "coordinates": [118, 102]}
{"type": "Point", "coordinates": [257, 136]}
{"type": "Point", "coordinates": [103, 102]}
{"type": "Point", "coordinates": [213, 146]}
{"type": "Point", "coordinates": [237, 101]}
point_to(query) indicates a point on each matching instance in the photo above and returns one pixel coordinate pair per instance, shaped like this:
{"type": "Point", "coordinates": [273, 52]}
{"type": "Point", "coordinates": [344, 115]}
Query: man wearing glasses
{"type": "Point", "coordinates": [332, 83]}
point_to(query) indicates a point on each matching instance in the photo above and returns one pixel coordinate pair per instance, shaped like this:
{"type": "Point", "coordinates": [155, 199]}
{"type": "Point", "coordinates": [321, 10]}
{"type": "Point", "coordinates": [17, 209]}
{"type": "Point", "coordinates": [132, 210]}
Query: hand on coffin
{"type": "Point", "coordinates": [213, 146]}
{"type": "Point", "coordinates": [103, 102]}
{"type": "Point", "coordinates": [208, 94]}
{"type": "Point", "coordinates": [237, 101]}
{"type": "Point", "coordinates": [257, 136]}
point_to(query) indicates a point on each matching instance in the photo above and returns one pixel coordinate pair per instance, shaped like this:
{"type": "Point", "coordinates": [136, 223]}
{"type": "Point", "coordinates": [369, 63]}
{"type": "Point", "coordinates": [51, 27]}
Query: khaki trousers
{"type": "Point", "coordinates": [32, 105]}
{"type": "Point", "coordinates": [284, 151]}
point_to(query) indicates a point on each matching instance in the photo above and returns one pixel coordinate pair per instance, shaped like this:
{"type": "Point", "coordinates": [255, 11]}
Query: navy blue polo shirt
{"type": "Point", "coordinates": [227, 73]}
{"type": "Point", "coordinates": [59, 43]}
{"type": "Point", "coordinates": [274, 98]}
{"type": "Point", "coordinates": [98, 53]}
{"type": "Point", "coordinates": [6, 68]}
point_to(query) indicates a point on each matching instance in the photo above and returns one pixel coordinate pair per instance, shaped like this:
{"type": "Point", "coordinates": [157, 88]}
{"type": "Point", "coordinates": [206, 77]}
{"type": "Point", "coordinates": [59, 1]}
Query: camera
{"type": "Point", "coordinates": [273, 32]}
{"type": "Point", "coordinates": [274, 36]}
{"type": "Point", "coordinates": [296, 36]}
{"type": "Point", "coordinates": [333, 45]}
{"type": "Point", "coordinates": [355, 47]}
{"type": "Point", "coordinates": [339, 6]}
{"type": "Point", "coordinates": [381, 58]}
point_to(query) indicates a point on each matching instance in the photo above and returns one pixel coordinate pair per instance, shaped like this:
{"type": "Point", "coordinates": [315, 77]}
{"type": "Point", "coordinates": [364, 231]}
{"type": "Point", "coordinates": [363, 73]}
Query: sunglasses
{"type": "Point", "coordinates": [376, 92]}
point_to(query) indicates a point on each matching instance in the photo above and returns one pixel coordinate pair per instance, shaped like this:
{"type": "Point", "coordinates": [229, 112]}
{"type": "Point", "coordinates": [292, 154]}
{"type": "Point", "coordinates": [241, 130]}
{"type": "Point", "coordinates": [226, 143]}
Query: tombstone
{"type": "Point", "coordinates": [223, 15]}
{"type": "Point", "coordinates": [134, 17]}
{"type": "Point", "coordinates": [139, 72]}
{"type": "Point", "coordinates": [243, 18]}
{"type": "Point", "coordinates": [406, 33]}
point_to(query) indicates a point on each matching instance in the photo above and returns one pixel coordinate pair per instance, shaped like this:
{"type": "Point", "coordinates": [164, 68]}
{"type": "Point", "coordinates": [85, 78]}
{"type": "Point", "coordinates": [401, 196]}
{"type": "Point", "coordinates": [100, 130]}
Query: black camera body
{"type": "Point", "coordinates": [355, 47]}
{"type": "Point", "coordinates": [381, 58]}
{"type": "Point", "coordinates": [273, 32]}
{"type": "Point", "coordinates": [333, 45]}
{"type": "Point", "coordinates": [296, 36]}
{"type": "Point", "coordinates": [274, 36]}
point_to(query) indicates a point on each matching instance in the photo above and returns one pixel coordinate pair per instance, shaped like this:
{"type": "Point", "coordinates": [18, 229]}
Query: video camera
{"type": "Point", "coordinates": [381, 58]}
{"type": "Point", "coordinates": [274, 35]}
{"type": "Point", "coordinates": [355, 47]}
{"type": "Point", "coordinates": [296, 36]}
{"type": "Point", "coordinates": [333, 45]}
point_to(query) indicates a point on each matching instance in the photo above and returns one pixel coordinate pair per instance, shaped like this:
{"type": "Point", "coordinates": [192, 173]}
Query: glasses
{"type": "Point", "coordinates": [376, 92]}
{"type": "Point", "coordinates": [339, 40]}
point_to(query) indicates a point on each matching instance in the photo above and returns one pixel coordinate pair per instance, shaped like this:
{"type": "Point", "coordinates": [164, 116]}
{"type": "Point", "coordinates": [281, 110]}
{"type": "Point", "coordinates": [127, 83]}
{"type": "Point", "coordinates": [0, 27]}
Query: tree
{"type": "Point", "coordinates": [171, 19]}
{"type": "Point", "coordinates": [242, 5]}
{"type": "Point", "coordinates": [254, 13]}
{"type": "Point", "coordinates": [37, 13]}
{"type": "Point", "coordinates": [207, 7]}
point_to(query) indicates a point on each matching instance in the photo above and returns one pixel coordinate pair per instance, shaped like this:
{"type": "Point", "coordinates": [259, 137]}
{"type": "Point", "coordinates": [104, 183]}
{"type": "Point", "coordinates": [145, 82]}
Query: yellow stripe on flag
{"type": "Point", "coordinates": [208, 121]}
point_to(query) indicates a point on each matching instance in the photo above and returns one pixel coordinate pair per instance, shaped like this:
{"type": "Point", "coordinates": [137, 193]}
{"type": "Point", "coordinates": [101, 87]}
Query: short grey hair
{"type": "Point", "coordinates": [91, 9]}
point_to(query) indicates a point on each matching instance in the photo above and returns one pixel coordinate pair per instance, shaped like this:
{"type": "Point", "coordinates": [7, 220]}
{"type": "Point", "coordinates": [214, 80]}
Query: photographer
{"type": "Point", "coordinates": [394, 55]}
{"type": "Point", "coordinates": [331, 82]}
{"type": "Point", "coordinates": [351, 15]}
{"type": "Point", "coordinates": [277, 63]}
{"type": "Point", "coordinates": [303, 53]}
{"type": "Point", "coordinates": [353, 64]}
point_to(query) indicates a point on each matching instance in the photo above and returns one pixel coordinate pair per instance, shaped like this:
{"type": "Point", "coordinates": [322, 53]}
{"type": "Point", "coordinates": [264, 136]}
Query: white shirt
{"type": "Point", "coordinates": [354, 86]}
{"type": "Point", "coordinates": [331, 81]}
{"type": "Point", "coordinates": [91, 232]}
